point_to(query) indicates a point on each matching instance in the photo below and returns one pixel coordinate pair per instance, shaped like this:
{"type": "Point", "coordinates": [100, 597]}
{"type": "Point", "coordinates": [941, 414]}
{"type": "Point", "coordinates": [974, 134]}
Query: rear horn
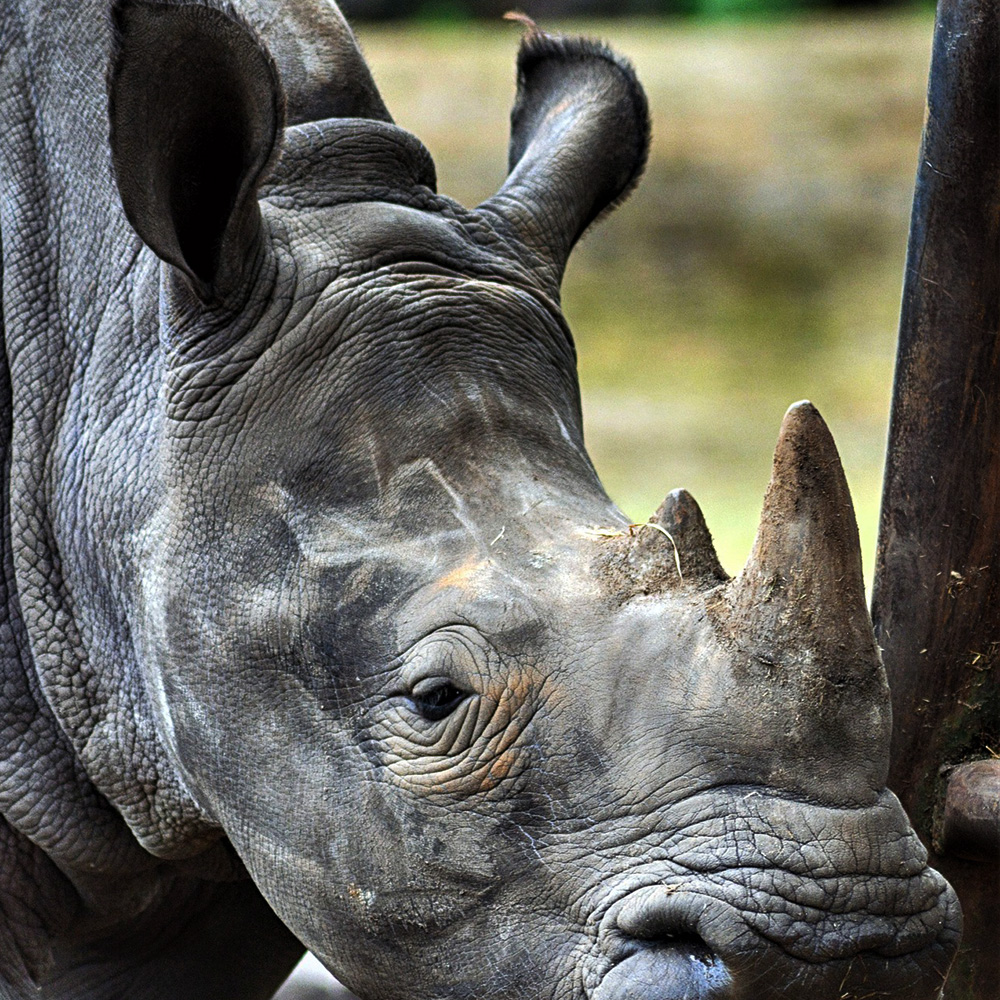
{"type": "Point", "coordinates": [672, 549]}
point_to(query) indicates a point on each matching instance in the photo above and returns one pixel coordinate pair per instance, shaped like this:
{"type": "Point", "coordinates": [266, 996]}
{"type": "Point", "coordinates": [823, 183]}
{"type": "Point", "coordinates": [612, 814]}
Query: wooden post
{"type": "Point", "coordinates": [936, 603]}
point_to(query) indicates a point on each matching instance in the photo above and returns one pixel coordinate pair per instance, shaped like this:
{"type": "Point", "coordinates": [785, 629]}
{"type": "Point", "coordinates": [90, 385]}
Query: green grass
{"type": "Point", "coordinates": [760, 261]}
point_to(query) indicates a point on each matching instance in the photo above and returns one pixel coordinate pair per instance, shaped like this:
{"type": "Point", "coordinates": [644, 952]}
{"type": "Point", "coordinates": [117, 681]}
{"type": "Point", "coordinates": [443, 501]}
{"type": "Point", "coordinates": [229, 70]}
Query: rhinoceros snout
{"type": "Point", "coordinates": [667, 943]}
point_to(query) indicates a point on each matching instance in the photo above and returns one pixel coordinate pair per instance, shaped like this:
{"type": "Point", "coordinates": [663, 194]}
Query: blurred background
{"type": "Point", "coordinates": [403, 10]}
{"type": "Point", "coordinates": [761, 259]}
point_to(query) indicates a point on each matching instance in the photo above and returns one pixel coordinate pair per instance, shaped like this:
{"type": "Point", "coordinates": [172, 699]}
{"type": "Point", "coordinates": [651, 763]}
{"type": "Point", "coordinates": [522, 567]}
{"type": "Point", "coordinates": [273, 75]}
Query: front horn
{"type": "Point", "coordinates": [800, 599]}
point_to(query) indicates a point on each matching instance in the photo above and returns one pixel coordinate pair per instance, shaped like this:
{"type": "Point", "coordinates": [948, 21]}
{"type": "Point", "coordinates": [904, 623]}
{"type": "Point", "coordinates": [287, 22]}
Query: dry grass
{"type": "Point", "coordinates": [759, 262]}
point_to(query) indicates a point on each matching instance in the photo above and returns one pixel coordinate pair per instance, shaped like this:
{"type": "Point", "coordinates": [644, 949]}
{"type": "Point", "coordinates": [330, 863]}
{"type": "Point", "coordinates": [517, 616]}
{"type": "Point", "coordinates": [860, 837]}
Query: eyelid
{"type": "Point", "coordinates": [427, 672]}
{"type": "Point", "coordinates": [430, 683]}
{"type": "Point", "coordinates": [451, 654]}
{"type": "Point", "coordinates": [434, 699]}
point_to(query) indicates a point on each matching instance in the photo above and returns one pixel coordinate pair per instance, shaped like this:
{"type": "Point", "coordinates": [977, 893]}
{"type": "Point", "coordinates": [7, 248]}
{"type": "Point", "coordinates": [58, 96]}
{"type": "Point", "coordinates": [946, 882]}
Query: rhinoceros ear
{"type": "Point", "coordinates": [579, 141]}
{"type": "Point", "coordinates": [196, 108]}
{"type": "Point", "coordinates": [322, 67]}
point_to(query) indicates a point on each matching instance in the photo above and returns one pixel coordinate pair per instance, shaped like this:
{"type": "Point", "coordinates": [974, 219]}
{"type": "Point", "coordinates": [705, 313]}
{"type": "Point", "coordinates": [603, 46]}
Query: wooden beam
{"type": "Point", "coordinates": [936, 603]}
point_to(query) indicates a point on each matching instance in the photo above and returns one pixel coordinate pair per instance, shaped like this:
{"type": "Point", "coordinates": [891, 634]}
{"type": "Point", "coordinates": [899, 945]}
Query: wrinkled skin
{"type": "Point", "coordinates": [309, 578]}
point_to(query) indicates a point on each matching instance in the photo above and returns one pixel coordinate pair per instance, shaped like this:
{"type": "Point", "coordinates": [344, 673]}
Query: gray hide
{"type": "Point", "coordinates": [318, 628]}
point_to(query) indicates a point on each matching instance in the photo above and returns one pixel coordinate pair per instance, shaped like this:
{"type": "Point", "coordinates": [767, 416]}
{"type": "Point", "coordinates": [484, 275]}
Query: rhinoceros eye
{"type": "Point", "coordinates": [435, 698]}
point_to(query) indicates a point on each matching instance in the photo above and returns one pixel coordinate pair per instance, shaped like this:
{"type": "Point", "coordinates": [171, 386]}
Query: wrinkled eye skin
{"type": "Point", "coordinates": [455, 787]}
{"type": "Point", "coordinates": [459, 723]}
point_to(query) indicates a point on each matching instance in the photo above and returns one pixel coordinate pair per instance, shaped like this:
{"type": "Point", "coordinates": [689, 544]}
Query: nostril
{"type": "Point", "coordinates": [668, 939]}
{"type": "Point", "coordinates": [661, 954]}
{"type": "Point", "coordinates": [648, 915]}
{"type": "Point", "coordinates": [676, 969]}
{"type": "Point", "coordinates": [685, 945]}
{"type": "Point", "coordinates": [658, 917]}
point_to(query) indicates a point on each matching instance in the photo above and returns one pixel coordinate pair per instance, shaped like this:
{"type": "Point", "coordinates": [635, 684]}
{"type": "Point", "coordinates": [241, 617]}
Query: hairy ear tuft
{"type": "Point", "coordinates": [579, 142]}
{"type": "Point", "coordinates": [593, 70]}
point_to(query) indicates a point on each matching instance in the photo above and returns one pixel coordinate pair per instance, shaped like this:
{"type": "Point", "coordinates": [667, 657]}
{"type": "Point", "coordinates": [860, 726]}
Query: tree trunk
{"type": "Point", "coordinates": [936, 603]}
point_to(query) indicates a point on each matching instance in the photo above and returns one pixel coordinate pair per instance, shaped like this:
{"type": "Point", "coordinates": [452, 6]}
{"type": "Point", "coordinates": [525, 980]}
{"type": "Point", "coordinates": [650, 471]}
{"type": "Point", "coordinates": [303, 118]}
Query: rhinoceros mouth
{"type": "Point", "coordinates": [753, 884]}
{"type": "Point", "coordinates": [819, 882]}
{"type": "Point", "coordinates": [685, 968]}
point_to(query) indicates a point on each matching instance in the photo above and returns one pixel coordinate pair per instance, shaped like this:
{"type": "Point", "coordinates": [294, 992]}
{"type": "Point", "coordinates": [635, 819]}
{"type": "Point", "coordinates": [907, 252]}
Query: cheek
{"type": "Point", "coordinates": [315, 840]}
{"type": "Point", "coordinates": [455, 883]}
{"type": "Point", "coordinates": [393, 874]}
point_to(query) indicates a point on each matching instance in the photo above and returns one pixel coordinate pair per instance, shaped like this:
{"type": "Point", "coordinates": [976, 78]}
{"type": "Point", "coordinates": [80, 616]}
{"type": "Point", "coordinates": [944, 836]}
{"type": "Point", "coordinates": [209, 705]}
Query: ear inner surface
{"type": "Point", "coordinates": [196, 108]}
{"type": "Point", "coordinates": [579, 141]}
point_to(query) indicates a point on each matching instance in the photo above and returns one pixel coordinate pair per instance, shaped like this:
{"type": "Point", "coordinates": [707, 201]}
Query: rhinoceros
{"type": "Point", "coordinates": [318, 627]}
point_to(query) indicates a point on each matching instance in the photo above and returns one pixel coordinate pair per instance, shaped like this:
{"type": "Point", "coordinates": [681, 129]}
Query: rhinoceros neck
{"type": "Point", "coordinates": [82, 373]}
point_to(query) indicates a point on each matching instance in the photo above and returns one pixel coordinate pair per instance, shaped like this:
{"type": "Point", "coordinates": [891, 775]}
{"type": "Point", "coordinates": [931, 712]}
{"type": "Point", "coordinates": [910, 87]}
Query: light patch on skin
{"type": "Point", "coordinates": [498, 770]}
{"type": "Point", "coordinates": [563, 430]}
{"type": "Point", "coordinates": [334, 538]}
{"type": "Point", "coordinates": [153, 601]}
{"type": "Point", "coordinates": [464, 577]}
{"type": "Point", "coordinates": [364, 899]}
{"type": "Point", "coordinates": [270, 611]}
{"type": "Point", "coordinates": [459, 506]}
{"type": "Point", "coordinates": [567, 437]}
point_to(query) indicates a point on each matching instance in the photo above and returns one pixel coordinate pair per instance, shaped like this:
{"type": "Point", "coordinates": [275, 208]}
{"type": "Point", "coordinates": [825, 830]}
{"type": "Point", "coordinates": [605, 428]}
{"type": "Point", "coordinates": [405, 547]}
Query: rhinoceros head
{"type": "Point", "coordinates": [471, 733]}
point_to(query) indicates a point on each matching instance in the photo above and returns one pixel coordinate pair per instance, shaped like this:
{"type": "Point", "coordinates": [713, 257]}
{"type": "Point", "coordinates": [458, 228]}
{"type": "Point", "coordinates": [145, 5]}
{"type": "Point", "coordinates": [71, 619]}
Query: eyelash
{"type": "Point", "coordinates": [438, 702]}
